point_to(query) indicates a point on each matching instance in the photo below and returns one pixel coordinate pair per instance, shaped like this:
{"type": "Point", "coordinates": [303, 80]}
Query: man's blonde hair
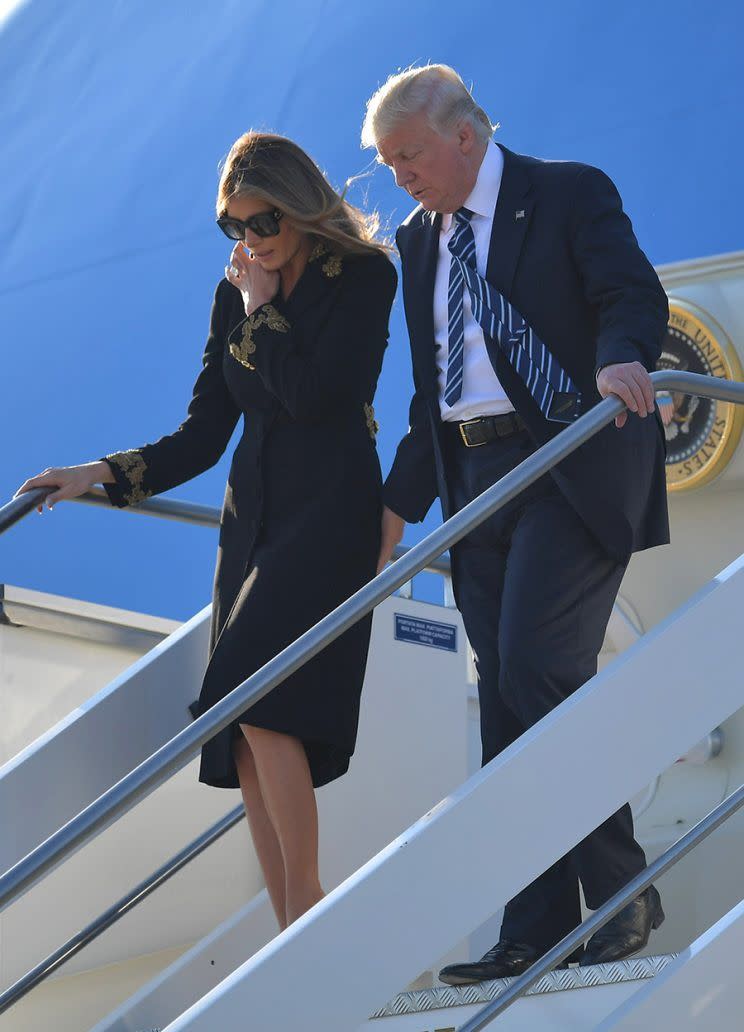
{"type": "Point", "coordinates": [435, 89]}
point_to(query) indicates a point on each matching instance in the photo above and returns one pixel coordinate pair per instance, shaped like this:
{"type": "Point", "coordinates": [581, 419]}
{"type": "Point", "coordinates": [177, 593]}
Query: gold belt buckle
{"type": "Point", "coordinates": [466, 442]}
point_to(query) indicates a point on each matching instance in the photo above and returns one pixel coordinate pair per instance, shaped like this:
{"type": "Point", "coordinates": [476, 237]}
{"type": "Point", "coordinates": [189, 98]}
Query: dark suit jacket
{"type": "Point", "coordinates": [573, 268]}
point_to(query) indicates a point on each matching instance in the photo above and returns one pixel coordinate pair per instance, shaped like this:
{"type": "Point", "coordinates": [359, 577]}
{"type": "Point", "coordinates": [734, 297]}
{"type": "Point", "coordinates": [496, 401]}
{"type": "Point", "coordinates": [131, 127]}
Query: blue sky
{"type": "Point", "coordinates": [113, 121]}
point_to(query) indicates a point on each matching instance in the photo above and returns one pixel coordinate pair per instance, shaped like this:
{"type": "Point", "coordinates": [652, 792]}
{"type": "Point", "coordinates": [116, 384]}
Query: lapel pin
{"type": "Point", "coordinates": [519, 214]}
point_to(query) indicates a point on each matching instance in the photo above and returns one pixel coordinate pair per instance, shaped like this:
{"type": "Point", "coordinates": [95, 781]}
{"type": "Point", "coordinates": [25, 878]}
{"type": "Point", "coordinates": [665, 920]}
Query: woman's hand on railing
{"type": "Point", "coordinates": [69, 481]}
{"type": "Point", "coordinates": [393, 526]}
{"type": "Point", "coordinates": [630, 382]}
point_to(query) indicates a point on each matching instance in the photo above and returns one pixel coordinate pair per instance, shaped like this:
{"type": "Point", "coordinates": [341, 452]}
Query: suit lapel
{"type": "Point", "coordinates": [420, 266]}
{"type": "Point", "coordinates": [510, 222]}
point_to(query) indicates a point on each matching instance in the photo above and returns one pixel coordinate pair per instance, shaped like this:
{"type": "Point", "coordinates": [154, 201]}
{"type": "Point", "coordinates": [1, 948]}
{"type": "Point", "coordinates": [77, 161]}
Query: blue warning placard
{"type": "Point", "coordinates": [425, 632]}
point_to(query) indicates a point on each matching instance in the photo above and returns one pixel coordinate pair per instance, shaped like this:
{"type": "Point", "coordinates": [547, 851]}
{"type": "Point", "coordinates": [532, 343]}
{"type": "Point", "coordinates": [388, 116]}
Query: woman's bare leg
{"type": "Point", "coordinates": [287, 790]}
{"type": "Point", "coordinates": [264, 837]}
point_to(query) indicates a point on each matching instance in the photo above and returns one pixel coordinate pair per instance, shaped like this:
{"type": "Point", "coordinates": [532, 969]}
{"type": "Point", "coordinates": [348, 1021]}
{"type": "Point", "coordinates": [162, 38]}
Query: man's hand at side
{"type": "Point", "coordinates": [630, 382]}
{"type": "Point", "coordinates": [392, 532]}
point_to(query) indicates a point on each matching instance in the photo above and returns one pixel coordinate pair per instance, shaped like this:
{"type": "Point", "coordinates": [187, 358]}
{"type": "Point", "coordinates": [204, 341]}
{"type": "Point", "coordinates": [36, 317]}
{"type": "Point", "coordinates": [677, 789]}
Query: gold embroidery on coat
{"type": "Point", "coordinates": [372, 425]}
{"type": "Point", "coordinates": [332, 265]}
{"type": "Point", "coordinates": [134, 467]}
{"type": "Point", "coordinates": [273, 319]}
{"type": "Point", "coordinates": [266, 315]}
{"type": "Point", "coordinates": [318, 251]}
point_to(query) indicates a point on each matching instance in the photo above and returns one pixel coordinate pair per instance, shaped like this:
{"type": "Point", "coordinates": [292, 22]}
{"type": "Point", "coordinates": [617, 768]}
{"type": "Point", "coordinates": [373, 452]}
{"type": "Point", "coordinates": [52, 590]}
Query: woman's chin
{"type": "Point", "coordinates": [269, 263]}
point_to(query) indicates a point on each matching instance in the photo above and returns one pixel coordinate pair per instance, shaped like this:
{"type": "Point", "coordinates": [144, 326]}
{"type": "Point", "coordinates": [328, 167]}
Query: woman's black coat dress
{"type": "Point", "coordinates": [300, 528]}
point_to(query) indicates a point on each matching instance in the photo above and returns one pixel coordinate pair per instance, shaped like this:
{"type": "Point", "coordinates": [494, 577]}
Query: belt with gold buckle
{"type": "Point", "coordinates": [475, 432]}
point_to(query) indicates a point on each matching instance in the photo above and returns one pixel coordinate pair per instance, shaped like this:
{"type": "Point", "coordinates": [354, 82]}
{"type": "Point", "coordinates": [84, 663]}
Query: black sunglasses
{"type": "Point", "coordinates": [265, 224]}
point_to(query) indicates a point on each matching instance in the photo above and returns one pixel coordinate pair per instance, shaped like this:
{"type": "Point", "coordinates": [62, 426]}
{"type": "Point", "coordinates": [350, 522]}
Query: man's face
{"type": "Point", "coordinates": [436, 170]}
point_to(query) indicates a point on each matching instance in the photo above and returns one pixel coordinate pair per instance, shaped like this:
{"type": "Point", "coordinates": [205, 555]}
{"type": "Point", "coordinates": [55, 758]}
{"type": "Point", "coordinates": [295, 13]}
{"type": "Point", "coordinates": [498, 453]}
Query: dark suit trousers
{"type": "Point", "coordinates": [536, 591]}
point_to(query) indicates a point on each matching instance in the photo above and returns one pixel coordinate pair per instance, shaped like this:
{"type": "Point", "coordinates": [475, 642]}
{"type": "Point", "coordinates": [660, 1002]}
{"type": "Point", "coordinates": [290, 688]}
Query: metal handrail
{"type": "Point", "coordinates": [109, 917]}
{"type": "Point", "coordinates": [14, 510]}
{"type": "Point", "coordinates": [165, 508]}
{"type": "Point", "coordinates": [603, 914]}
{"type": "Point", "coordinates": [176, 753]}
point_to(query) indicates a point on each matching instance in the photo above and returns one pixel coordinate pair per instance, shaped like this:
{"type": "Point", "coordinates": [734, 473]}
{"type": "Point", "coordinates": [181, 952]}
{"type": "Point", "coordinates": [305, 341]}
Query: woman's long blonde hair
{"type": "Point", "coordinates": [276, 170]}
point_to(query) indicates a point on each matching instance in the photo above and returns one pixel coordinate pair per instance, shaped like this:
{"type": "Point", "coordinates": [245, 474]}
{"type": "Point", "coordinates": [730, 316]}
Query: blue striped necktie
{"type": "Point", "coordinates": [557, 396]}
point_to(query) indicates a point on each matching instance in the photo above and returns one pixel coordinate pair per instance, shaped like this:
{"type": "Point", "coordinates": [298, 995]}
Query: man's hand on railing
{"type": "Point", "coordinates": [392, 532]}
{"type": "Point", "coordinates": [630, 382]}
{"type": "Point", "coordinates": [70, 482]}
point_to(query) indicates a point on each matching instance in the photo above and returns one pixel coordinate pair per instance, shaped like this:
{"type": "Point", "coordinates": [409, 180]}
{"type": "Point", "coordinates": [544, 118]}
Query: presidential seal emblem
{"type": "Point", "coordinates": [701, 433]}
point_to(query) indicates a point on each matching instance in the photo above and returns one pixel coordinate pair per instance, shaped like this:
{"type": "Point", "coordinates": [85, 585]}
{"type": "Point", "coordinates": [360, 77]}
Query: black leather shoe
{"type": "Point", "coordinates": [627, 932]}
{"type": "Point", "coordinates": [504, 959]}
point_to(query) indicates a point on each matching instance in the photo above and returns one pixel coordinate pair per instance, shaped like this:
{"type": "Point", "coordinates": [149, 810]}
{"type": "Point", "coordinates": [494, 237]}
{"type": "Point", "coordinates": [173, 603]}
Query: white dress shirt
{"type": "Point", "coordinates": [482, 393]}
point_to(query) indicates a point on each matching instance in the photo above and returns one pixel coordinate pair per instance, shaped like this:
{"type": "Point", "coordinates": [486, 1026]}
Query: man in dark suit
{"type": "Point", "coordinates": [527, 300]}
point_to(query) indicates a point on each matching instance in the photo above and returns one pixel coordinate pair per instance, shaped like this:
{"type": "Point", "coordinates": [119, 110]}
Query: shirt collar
{"type": "Point", "coordinates": [482, 199]}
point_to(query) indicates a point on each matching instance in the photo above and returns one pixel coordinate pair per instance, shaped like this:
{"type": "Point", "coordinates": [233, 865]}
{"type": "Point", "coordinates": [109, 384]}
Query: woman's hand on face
{"type": "Point", "coordinates": [69, 481]}
{"type": "Point", "coordinates": [257, 285]}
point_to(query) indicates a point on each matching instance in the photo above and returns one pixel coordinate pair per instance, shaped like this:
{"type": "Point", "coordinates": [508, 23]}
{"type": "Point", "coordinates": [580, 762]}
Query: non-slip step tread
{"type": "Point", "coordinates": [440, 997]}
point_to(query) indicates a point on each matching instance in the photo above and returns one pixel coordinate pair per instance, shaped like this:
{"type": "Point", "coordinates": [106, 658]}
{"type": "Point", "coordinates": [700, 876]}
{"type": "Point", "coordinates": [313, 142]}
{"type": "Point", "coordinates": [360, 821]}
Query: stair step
{"type": "Point", "coordinates": [420, 1001]}
{"type": "Point", "coordinates": [440, 997]}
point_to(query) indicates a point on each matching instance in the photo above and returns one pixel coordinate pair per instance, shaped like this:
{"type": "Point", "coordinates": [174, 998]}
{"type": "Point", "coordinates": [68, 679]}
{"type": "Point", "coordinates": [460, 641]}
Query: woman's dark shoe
{"type": "Point", "coordinates": [627, 932]}
{"type": "Point", "coordinates": [504, 959]}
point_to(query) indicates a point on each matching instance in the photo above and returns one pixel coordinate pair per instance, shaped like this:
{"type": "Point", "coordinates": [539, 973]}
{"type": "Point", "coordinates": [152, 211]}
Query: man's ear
{"type": "Point", "coordinates": [465, 136]}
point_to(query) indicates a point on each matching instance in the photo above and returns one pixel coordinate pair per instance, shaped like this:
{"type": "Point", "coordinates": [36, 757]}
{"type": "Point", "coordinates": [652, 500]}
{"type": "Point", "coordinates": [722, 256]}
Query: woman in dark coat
{"type": "Point", "coordinates": [297, 335]}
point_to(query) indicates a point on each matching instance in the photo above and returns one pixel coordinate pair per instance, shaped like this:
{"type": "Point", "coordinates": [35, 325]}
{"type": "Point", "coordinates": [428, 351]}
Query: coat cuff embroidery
{"type": "Point", "coordinates": [132, 468]}
{"type": "Point", "coordinates": [266, 315]}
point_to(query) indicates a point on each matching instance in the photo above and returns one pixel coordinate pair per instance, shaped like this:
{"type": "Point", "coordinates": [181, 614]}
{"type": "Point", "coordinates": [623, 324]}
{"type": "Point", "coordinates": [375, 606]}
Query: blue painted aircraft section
{"type": "Point", "coordinates": [113, 118]}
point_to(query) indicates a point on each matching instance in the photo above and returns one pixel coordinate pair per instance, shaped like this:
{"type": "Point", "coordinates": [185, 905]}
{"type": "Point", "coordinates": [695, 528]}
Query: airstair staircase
{"type": "Point", "coordinates": [409, 889]}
